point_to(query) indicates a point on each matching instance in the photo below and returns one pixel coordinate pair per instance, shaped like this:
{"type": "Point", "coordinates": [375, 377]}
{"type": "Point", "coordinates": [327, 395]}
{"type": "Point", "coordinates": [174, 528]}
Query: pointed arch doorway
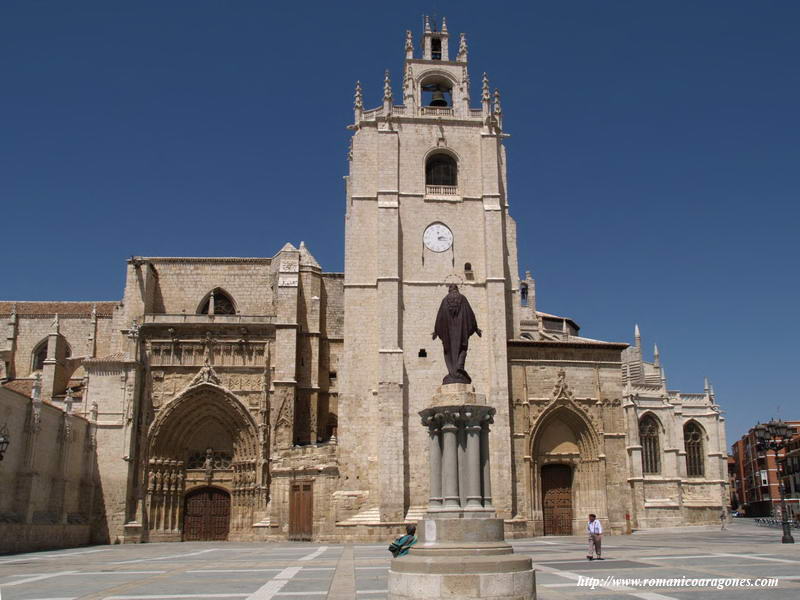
{"type": "Point", "coordinates": [204, 469]}
{"type": "Point", "coordinates": [567, 471]}
{"type": "Point", "coordinates": [206, 515]}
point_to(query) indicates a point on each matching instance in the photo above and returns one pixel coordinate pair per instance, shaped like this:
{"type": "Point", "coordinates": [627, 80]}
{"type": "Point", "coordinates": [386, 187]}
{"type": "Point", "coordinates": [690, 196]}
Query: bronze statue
{"type": "Point", "coordinates": [455, 322]}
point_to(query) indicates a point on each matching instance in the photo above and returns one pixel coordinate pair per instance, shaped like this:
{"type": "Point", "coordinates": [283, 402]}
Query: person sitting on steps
{"type": "Point", "coordinates": [402, 545]}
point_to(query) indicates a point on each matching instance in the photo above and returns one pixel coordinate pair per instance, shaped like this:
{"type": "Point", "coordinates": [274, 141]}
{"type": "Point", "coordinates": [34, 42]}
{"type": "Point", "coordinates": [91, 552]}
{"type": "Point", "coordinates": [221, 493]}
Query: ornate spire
{"type": "Point", "coordinates": [486, 97]}
{"type": "Point", "coordinates": [358, 103]}
{"type": "Point", "coordinates": [656, 356]}
{"type": "Point", "coordinates": [387, 86]}
{"type": "Point", "coordinates": [409, 44]}
{"type": "Point", "coordinates": [444, 25]}
{"type": "Point", "coordinates": [498, 111]}
{"type": "Point", "coordinates": [359, 99]}
{"type": "Point", "coordinates": [55, 325]}
{"type": "Point", "coordinates": [462, 49]}
{"type": "Point", "coordinates": [706, 386]}
{"type": "Point", "coordinates": [637, 337]}
{"type": "Point", "coordinates": [427, 24]}
{"type": "Point", "coordinates": [36, 390]}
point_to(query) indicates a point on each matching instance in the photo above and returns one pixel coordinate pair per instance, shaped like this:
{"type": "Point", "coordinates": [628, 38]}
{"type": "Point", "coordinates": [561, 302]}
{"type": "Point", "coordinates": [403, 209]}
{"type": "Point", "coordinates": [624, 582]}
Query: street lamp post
{"type": "Point", "coordinates": [775, 436]}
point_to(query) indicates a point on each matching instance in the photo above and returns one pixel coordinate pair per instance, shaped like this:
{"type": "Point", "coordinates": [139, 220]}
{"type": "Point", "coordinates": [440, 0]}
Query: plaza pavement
{"type": "Point", "coordinates": [310, 571]}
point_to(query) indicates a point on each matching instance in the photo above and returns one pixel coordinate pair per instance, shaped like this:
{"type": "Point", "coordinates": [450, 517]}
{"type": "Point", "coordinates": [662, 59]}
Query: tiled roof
{"type": "Point", "coordinates": [61, 308]}
{"type": "Point", "coordinates": [21, 386]}
{"type": "Point", "coordinates": [110, 358]}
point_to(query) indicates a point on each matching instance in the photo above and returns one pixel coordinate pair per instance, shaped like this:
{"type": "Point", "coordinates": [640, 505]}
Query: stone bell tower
{"type": "Point", "coordinates": [426, 206]}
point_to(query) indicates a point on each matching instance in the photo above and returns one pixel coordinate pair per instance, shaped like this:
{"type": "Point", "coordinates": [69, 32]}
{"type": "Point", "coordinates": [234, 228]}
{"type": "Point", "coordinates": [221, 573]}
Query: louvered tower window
{"type": "Point", "coordinates": [693, 442]}
{"type": "Point", "coordinates": [651, 452]}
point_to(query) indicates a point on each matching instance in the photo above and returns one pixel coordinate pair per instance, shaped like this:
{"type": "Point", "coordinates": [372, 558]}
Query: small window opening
{"type": "Point", "coordinates": [332, 375]}
{"type": "Point", "coordinates": [422, 353]}
{"type": "Point", "coordinates": [468, 272]}
{"type": "Point", "coordinates": [40, 355]}
{"type": "Point", "coordinates": [217, 303]}
{"type": "Point", "coordinates": [436, 48]}
{"type": "Point", "coordinates": [523, 294]}
{"type": "Point", "coordinates": [441, 169]}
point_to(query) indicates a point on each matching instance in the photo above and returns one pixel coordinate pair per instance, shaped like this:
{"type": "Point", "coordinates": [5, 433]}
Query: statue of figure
{"type": "Point", "coordinates": [455, 322]}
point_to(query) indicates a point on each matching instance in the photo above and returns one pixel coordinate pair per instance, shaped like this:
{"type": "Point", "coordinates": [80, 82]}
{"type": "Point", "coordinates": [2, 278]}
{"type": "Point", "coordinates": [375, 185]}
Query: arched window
{"type": "Point", "coordinates": [217, 303]}
{"type": "Point", "coordinates": [441, 169]}
{"type": "Point", "coordinates": [39, 354]}
{"type": "Point", "coordinates": [693, 443]}
{"type": "Point", "coordinates": [651, 452]}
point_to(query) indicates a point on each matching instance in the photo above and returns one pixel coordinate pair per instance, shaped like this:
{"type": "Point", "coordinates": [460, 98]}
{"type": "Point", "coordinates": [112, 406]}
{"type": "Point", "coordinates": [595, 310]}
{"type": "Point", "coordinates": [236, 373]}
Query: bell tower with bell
{"type": "Point", "coordinates": [426, 207]}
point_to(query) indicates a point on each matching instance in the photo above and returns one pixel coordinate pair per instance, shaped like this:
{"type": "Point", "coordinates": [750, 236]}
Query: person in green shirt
{"type": "Point", "coordinates": [402, 545]}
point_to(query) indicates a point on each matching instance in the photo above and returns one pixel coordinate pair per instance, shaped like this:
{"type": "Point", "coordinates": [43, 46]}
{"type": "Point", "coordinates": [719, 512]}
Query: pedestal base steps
{"type": "Point", "coordinates": [461, 558]}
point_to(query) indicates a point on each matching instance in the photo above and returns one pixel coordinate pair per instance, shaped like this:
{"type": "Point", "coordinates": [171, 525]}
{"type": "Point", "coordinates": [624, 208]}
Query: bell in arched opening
{"type": "Point", "coordinates": [438, 99]}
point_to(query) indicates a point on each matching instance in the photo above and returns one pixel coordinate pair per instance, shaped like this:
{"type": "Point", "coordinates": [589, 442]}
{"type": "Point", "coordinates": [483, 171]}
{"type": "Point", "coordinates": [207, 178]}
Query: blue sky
{"type": "Point", "coordinates": [653, 163]}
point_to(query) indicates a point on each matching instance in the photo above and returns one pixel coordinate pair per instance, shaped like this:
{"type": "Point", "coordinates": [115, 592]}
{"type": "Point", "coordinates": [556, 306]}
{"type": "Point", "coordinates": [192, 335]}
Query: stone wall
{"type": "Point", "coordinates": [49, 478]}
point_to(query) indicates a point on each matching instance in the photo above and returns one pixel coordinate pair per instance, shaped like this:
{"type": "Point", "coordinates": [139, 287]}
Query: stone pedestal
{"type": "Point", "coordinates": [461, 550]}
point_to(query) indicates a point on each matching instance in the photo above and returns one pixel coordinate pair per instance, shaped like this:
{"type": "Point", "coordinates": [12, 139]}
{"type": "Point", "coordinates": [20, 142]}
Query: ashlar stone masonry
{"type": "Point", "coordinates": [264, 398]}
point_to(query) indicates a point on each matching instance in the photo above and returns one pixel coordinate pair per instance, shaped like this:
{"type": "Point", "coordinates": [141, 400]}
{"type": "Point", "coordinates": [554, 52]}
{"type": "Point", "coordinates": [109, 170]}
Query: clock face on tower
{"type": "Point", "coordinates": [438, 237]}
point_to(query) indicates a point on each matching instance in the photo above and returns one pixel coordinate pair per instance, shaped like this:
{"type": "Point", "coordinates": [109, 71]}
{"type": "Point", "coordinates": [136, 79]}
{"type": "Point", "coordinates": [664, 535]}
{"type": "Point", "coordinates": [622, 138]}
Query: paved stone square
{"type": "Point", "coordinates": [313, 571]}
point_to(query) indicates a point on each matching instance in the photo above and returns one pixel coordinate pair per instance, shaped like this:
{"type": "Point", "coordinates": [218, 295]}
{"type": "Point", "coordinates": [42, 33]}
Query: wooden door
{"type": "Point", "coordinates": [206, 515]}
{"type": "Point", "coordinates": [301, 510]}
{"type": "Point", "coordinates": [557, 499]}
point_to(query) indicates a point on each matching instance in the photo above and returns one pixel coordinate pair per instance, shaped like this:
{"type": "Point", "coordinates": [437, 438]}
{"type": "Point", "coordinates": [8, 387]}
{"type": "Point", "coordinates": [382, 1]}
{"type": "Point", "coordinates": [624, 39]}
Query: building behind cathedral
{"type": "Point", "coordinates": [265, 398]}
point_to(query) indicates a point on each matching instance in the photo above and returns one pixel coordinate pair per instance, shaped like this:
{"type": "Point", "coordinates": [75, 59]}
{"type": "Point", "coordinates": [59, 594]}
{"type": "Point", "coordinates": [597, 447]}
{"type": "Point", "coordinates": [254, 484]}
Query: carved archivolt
{"type": "Point", "coordinates": [565, 409]}
{"type": "Point", "coordinates": [203, 399]}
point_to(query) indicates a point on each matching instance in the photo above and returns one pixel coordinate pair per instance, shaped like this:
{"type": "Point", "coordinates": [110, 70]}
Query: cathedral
{"type": "Point", "coordinates": [268, 399]}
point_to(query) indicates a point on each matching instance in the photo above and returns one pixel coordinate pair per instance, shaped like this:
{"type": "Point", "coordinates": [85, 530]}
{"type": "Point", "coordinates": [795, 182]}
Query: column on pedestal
{"type": "Point", "coordinates": [486, 483]}
{"type": "Point", "coordinates": [450, 461]}
{"type": "Point", "coordinates": [435, 499]}
{"type": "Point", "coordinates": [472, 427]}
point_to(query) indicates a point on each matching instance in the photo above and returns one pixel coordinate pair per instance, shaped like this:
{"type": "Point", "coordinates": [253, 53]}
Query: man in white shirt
{"type": "Point", "coordinates": [595, 530]}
